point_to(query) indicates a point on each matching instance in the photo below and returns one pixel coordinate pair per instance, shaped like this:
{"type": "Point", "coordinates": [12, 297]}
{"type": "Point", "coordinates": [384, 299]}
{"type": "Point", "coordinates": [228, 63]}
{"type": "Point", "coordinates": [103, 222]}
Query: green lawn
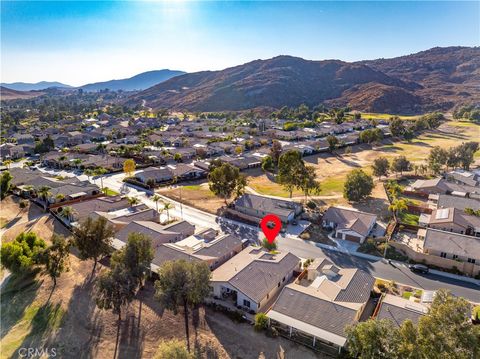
{"type": "Point", "coordinates": [332, 186]}
{"type": "Point", "coordinates": [407, 295]}
{"type": "Point", "coordinates": [110, 192]}
{"type": "Point", "coordinates": [26, 322]}
{"type": "Point", "coordinates": [409, 218]}
{"type": "Point", "coordinates": [385, 116]}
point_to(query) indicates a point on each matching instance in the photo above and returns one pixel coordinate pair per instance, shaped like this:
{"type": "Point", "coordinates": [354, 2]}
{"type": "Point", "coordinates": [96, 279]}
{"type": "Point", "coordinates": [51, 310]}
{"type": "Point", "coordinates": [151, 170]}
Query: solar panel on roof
{"type": "Point", "coordinates": [442, 213]}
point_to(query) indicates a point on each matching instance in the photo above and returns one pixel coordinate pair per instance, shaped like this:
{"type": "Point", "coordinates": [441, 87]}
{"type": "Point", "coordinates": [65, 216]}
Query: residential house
{"type": "Point", "coordinates": [259, 206]}
{"type": "Point", "coordinates": [398, 309]}
{"type": "Point", "coordinates": [322, 302]}
{"type": "Point", "coordinates": [458, 247]}
{"type": "Point", "coordinates": [349, 224]}
{"type": "Point", "coordinates": [451, 220]}
{"type": "Point", "coordinates": [251, 279]}
{"type": "Point", "coordinates": [214, 250]}
{"type": "Point", "coordinates": [437, 201]}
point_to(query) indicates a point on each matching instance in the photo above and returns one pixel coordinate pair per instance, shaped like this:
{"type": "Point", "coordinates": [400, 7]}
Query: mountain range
{"type": "Point", "coordinates": [138, 82]}
{"type": "Point", "coordinates": [9, 94]}
{"type": "Point", "coordinates": [435, 79]}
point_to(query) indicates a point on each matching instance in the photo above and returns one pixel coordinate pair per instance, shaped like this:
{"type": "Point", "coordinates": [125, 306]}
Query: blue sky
{"type": "Point", "coordinates": [80, 42]}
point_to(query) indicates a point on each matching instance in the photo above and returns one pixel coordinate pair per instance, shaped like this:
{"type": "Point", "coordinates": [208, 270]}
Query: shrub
{"type": "Point", "coordinates": [23, 204]}
{"type": "Point", "coordinates": [311, 205]}
{"type": "Point", "coordinates": [21, 254]}
{"type": "Point", "coordinates": [175, 349]}
{"type": "Point", "coordinates": [272, 332]}
{"type": "Point", "coordinates": [305, 235]}
{"type": "Point", "coordinates": [271, 246]}
{"type": "Point", "coordinates": [261, 321]}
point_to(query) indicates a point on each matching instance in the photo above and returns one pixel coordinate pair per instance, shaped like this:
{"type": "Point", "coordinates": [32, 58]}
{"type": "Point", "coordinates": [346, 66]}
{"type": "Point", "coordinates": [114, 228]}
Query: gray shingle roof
{"type": "Point", "coordinates": [359, 288]}
{"type": "Point", "coordinates": [258, 278]}
{"type": "Point", "coordinates": [221, 247]}
{"type": "Point", "coordinates": [357, 221]}
{"type": "Point", "coordinates": [397, 314]}
{"type": "Point", "coordinates": [266, 204]}
{"type": "Point", "coordinates": [446, 201]}
{"type": "Point", "coordinates": [320, 313]}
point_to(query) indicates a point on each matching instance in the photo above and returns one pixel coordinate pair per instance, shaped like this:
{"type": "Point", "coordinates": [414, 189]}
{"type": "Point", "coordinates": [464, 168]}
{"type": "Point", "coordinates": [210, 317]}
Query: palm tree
{"type": "Point", "coordinates": [397, 206]}
{"type": "Point", "coordinates": [133, 201]}
{"type": "Point", "coordinates": [88, 172]}
{"type": "Point", "coordinates": [68, 213]}
{"type": "Point", "coordinates": [77, 162]}
{"type": "Point", "coordinates": [44, 192]}
{"type": "Point", "coordinates": [105, 190]}
{"type": "Point", "coordinates": [29, 189]}
{"type": "Point", "coordinates": [155, 199]}
{"type": "Point", "coordinates": [100, 171]}
{"type": "Point", "coordinates": [167, 206]}
{"type": "Point", "coordinates": [60, 197]}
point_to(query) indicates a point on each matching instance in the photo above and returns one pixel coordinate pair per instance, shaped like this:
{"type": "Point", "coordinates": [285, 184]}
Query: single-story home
{"type": "Point", "coordinates": [259, 207]}
{"type": "Point", "coordinates": [251, 279]}
{"type": "Point", "coordinates": [349, 224]}
{"type": "Point", "coordinates": [322, 302]}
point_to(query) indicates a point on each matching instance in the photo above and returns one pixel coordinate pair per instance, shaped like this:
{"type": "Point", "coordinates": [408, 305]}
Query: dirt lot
{"type": "Point", "coordinates": [197, 195]}
{"type": "Point", "coordinates": [67, 318]}
{"type": "Point", "coordinates": [71, 323]}
{"type": "Point", "coordinates": [31, 218]}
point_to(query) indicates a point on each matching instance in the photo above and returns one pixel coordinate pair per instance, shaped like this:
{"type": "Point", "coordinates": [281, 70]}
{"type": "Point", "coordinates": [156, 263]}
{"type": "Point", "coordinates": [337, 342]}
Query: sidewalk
{"type": "Point", "coordinates": [375, 258]}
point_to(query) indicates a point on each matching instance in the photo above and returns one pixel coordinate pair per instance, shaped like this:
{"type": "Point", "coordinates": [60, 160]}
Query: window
{"type": "Point", "coordinates": [283, 280]}
{"type": "Point", "coordinates": [471, 260]}
{"type": "Point", "coordinates": [246, 303]}
{"type": "Point", "coordinates": [278, 285]}
{"type": "Point", "coordinates": [455, 257]}
{"type": "Point", "coordinates": [443, 255]}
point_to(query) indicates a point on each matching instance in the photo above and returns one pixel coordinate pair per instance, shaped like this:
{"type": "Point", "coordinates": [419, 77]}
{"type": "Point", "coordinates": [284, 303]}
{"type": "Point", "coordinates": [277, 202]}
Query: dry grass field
{"type": "Point", "coordinates": [67, 318]}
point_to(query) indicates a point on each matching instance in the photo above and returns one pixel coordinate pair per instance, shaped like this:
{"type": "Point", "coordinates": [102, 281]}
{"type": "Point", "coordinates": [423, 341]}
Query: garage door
{"type": "Point", "coordinates": [349, 237]}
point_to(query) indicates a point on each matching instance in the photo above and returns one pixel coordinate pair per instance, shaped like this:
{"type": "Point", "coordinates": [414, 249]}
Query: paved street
{"type": "Point", "coordinates": [400, 273]}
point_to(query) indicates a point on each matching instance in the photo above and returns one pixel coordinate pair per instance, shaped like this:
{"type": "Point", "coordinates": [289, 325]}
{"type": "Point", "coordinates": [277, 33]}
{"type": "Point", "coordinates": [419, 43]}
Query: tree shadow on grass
{"type": "Point", "coordinates": [16, 295]}
{"type": "Point", "coordinates": [46, 320]}
{"type": "Point", "coordinates": [82, 327]}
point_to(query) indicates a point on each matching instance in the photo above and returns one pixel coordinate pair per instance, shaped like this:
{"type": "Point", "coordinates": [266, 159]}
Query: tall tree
{"type": "Point", "coordinates": [115, 289]}
{"type": "Point", "coordinates": [308, 181]}
{"type": "Point", "coordinates": [332, 143]}
{"type": "Point", "coordinates": [135, 256]}
{"type": "Point", "coordinates": [380, 167]}
{"type": "Point", "coordinates": [401, 164]}
{"type": "Point", "coordinates": [182, 284]}
{"type": "Point", "coordinates": [56, 257]}
{"type": "Point", "coordinates": [446, 331]}
{"type": "Point", "coordinates": [397, 127]}
{"type": "Point", "coordinates": [358, 186]}
{"type": "Point", "coordinates": [276, 151]}
{"type": "Point", "coordinates": [129, 167]}
{"type": "Point", "coordinates": [167, 207]}
{"type": "Point", "coordinates": [225, 181]}
{"type": "Point", "coordinates": [93, 239]}
{"type": "Point", "coordinates": [437, 157]}
{"type": "Point", "coordinates": [99, 172]}
{"type": "Point", "coordinates": [290, 168]}
{"type": "Point", "coordinates": [155, 199]}
{"type": "Point", "coordinates": [5, 183]}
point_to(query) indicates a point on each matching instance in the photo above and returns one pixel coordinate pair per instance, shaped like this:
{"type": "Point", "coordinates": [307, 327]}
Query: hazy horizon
{"type": "Point", "coordinates": [83, 42]}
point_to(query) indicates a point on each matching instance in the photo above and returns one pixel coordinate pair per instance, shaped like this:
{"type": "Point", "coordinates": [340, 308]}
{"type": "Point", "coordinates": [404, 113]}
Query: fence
{"type": "Point", "coordinates": [464, 267]}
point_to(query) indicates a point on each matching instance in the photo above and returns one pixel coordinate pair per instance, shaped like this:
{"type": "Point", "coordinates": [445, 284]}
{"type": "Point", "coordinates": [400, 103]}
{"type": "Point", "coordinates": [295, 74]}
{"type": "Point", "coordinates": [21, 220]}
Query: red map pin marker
{"type": "Point", "coordinates": [269, 231]}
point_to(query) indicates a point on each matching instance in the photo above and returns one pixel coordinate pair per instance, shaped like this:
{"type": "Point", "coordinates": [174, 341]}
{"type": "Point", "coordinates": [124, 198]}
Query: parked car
{"type": "Point", "coordinates": [419, 268]}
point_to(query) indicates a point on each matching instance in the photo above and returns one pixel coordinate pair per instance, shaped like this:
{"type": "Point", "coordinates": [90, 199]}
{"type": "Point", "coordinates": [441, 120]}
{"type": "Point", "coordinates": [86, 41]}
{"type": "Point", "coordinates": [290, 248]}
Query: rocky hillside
{"type": "Point", "coordinates": [435, 79]}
